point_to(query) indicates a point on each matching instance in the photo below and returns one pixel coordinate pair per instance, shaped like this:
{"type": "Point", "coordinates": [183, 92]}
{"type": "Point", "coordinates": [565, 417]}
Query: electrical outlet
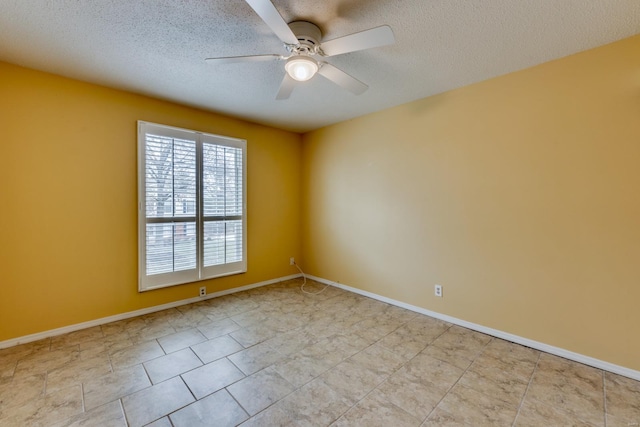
{"type": "Point", "coordinates": [203, 291]}
{"type": "Point", "coordinates": [292, 261]}
{"type": "Point", "coordinates": [438, 290]}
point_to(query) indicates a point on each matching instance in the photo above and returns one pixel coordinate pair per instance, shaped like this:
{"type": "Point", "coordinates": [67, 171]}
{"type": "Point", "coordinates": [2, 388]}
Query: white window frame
{"type": "Point", "coordinates": [156, 281]}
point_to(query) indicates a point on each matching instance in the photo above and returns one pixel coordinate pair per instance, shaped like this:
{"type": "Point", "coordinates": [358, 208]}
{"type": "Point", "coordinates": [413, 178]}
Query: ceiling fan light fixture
{"type": "Point", "coordinates": [301, 67]}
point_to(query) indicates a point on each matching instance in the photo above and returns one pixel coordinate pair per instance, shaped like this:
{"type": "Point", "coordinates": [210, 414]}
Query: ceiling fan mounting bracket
{"type": "Point", "coordinates": [308, 35]}
{"type": "Point", "coordinates": [303, 41]}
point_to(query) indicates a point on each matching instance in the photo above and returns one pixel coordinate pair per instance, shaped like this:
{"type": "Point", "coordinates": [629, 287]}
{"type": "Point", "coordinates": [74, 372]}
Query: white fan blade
{"type": "Point", "coordinates": [342, 79]}
{"type": "Point", "coordinates": [286, 87]}
{"type": "Point", "coordinates": [270, 15]}
{"type": "Point", "coordinates": [249, 58]}
{"type": "Point", "coordinates": [375, 37]}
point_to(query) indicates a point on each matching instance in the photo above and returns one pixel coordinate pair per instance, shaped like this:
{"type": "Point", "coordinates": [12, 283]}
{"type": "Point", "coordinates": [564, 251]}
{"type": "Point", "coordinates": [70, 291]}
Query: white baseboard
{"type": "Point", "coordinates": [577, 357]}
{"type": "Point", "coordinates": [76, 327]}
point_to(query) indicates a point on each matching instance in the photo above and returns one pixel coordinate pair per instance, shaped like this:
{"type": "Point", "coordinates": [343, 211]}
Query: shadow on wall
{"type": "Point", "coordinates": [427, 104]}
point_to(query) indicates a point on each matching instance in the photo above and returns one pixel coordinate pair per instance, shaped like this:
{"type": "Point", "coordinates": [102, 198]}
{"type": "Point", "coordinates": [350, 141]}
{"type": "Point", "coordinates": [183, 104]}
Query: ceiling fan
{"type": "Point", "coordinates": [303, 41]}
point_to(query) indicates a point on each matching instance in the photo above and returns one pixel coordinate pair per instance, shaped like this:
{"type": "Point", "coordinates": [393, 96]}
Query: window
{"type": "Point", "coordinates": [191, 206]}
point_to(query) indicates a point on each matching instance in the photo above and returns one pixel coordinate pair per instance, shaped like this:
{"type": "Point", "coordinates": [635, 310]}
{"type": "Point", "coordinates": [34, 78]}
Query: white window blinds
{"type": "Point", "coordinates": [192, 206]}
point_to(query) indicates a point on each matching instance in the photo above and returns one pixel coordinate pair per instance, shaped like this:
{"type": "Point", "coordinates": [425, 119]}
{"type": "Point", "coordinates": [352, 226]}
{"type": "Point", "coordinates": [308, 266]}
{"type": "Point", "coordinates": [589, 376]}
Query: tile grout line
{"type": "Point", "coordinates": [113, 370]}
{"type": "Point", "coordinates": [564, 412]}
{"type": "Point", "coordinates": [44, 386]}
{"type": "Point", "coordinates": [305, 313]}
{"type": "Point", "coordinates": [144, 368]}
{"type": "Point", "coordinates": [384, 380]}
{"type": "Point", "coordinates": [604, 396]}
{"type": "Point", "coordinates": [268, 406]}
{"type": "Point", "coordinates": [237, 367]}
{"type": "Point", "coordinates": [367, 394]}
{"type": "Point", "coordinates": [318, 376]}
{"type": "Point", "coordinates": [535, 368]}
{"type": "Point", "coordinates": [124, 415]}
{"type": "Point", "coordinates": [84, 409]}
{"type": "Point", "coordinates": [199, 358]}
{"type": "Point", "coordinates": [460, 377]}
{"type": "Point", "coordinates": [416, 355]}
{"type": "Point", "coordinates": [195, 399]}
{"type": "Point", "coordinates": [240, 404]}
{"type": "Point", "coordinates": [126, 419]}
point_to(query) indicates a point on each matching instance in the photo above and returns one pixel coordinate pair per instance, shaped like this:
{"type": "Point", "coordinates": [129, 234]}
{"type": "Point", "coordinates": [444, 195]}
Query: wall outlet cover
{"type": "Point", "coordinates": [438, 290]}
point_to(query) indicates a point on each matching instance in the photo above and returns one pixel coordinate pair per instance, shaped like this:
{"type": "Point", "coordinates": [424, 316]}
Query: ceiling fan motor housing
{"type": "Point", "coordinates": [308, 35]}
{"type": "Point", "coordinates": [302, 40]}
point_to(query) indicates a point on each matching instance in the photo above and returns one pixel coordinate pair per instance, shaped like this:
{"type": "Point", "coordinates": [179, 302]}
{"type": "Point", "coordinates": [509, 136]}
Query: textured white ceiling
{"type": "Point", "coordinates": [157, 48]}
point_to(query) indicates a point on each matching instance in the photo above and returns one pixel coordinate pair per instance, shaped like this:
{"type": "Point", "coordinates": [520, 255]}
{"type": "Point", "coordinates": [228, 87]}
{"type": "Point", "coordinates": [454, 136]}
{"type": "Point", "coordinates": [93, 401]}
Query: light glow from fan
{"type": "Point", "coordinates": [301, 68]}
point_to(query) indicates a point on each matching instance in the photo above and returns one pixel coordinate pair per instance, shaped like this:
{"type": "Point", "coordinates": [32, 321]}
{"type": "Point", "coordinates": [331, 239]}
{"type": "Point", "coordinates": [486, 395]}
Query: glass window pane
{"type": "Point", "coordinates": [184, 181]}
{"type": "Point", "coordinates": [193, 205]}
{"type": "Point", "coordinates": [233, 182]}
{"type": "Point", "coordinates": [222, 180]}
{"type": "Point", "coordinates": [214, 243]}
{"type": "Point", "coordinates": [222, 242]}
{"type": "Point", "coordinates": [233, 240]}
{"type": "Point", "coordinates": [184, 246]}
{"type": "Point", "coordinates": [159, 248]}
{"type": "Point", "coordinates": [170, 177]}
{"type": "Point", "coordinates": [170, 247]}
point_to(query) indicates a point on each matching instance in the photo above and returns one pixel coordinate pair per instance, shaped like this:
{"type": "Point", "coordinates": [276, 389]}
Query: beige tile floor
{"type": "Point", "coordinates": [273, 356]}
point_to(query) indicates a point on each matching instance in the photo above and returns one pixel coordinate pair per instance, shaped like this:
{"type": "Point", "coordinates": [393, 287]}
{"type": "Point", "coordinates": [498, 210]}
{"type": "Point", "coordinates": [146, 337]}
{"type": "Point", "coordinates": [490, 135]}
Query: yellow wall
{"type": "Point", "coordinates": [68, 248]}
{"type": "Point", "coordinates": [520, 195]}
